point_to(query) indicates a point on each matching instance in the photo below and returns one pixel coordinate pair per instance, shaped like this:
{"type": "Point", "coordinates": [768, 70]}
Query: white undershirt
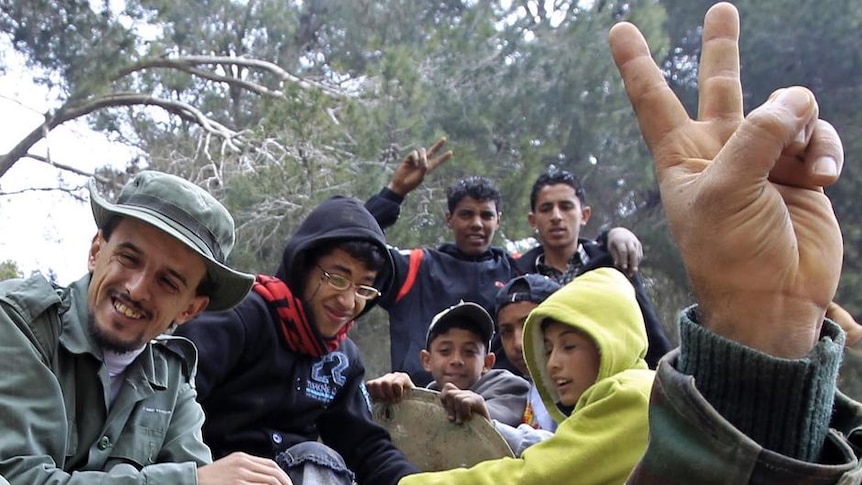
{"type": "Point", "coordinates": [116, 364]}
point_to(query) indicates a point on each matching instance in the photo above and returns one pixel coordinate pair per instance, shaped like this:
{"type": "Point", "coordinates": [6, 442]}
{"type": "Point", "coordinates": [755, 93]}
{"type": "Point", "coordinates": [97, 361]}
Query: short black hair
{"type": "Point", "coordinates": [476, 187]}
{"type": "Point", "coordinates": [367, 252]}
{"type": "Point", "coordinates": [554, 176]}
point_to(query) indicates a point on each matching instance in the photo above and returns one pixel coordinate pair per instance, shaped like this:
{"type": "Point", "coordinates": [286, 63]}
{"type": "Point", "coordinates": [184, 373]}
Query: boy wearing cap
{"type": "Point", "coordinates": [90, 391]}
{"type": "Point", "coordinates": [514, 302]}
{"type": "Point", "coordinates": [278, 376]}
{"type": "Point", "coordinates": [585, 347]}
{"type": "Point", "coordinates": [456, 355]}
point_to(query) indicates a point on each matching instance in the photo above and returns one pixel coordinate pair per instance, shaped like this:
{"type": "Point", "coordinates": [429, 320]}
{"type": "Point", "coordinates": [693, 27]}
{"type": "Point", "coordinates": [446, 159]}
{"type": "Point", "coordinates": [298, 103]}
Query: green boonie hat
{"type": "Point", "coordinates": [189, 214]}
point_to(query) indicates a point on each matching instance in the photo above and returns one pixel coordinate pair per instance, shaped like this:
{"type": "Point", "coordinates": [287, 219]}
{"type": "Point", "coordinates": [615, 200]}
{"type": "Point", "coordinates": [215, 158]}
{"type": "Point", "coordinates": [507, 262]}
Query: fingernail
{"type": "Point", "coordinates": [797, 101]}
{"type": "Point", "coordinates": [826, 167]}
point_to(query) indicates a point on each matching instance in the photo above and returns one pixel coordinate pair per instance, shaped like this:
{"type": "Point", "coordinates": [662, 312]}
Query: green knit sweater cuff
{"type": "Point", "coordinates": [783, 405]}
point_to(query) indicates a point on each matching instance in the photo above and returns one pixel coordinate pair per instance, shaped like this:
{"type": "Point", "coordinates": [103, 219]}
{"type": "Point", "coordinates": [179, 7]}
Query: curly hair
{"type": "Point", "coordinates": [476, 187]}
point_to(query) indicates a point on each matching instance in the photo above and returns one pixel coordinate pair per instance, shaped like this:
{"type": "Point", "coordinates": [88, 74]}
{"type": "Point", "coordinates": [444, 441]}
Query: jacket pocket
{"type": "Point", "coordinates": [138, 445]}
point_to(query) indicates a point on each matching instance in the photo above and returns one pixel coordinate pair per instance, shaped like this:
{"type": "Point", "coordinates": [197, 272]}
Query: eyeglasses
{"type": "Point", "coordinates": [341, 283]}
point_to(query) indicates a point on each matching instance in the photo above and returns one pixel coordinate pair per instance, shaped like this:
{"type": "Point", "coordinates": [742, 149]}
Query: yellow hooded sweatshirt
{"type": "Point", "coordinates": [606, 433]}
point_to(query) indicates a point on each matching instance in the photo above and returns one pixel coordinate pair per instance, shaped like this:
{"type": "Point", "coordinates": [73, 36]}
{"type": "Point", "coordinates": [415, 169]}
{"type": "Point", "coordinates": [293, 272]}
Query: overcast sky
{"type": "Point", "coordinates": [42, 230]}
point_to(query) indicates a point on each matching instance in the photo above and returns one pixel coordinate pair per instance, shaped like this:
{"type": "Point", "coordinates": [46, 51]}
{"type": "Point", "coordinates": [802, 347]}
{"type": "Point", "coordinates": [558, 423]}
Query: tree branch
{"type": "Point", "coordinates": [232, 138]}
{"type": "Point", "coordinates": [187, 63]}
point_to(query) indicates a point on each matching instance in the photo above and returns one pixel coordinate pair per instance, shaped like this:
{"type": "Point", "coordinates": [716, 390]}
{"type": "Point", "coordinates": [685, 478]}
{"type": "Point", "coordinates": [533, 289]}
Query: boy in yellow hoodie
{"type": "Point", "coordinates": [584, 347]}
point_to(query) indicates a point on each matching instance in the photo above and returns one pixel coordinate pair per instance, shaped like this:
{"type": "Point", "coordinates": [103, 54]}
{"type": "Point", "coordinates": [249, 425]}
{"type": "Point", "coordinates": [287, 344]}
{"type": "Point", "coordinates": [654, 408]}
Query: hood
{"type": "Point", "coordinates": [338, 218]}
{"type": "Point", "coordinates": [600, 303]}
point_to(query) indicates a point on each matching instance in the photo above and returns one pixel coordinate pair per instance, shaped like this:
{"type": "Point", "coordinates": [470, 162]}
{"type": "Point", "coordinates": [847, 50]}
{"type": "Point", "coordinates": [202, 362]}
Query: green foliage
{"type": "Point", "coordinates": [515, 86]}
{"type": "Point", "coordinates": [9, 269]}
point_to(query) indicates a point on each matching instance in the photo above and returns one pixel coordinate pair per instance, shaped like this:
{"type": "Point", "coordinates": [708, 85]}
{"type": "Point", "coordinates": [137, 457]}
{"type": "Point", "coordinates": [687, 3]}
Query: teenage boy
{"type": "Point", "coordinates": [278, 372]}
{"type": "Point", "coordinates": [456, 354]}
{"type": "Point", "coordinates": [514, 303]}
{"type": "Point", "coordinates": [558, 210]}
{"type": "Point", "coordinates": [428, 280]}
{"type": "Point", "coordinates": [90, 391]}
{"type": "Point", "coordinates": [585, 348]}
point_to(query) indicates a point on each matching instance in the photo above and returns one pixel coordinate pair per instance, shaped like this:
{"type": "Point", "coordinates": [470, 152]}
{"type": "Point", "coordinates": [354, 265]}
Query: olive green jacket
{"type": "Point", "coordinates": [55, 422]}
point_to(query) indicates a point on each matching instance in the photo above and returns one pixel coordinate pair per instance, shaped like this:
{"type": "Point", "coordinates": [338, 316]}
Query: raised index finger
{"type": "Point", "coordinates": [657, 108]}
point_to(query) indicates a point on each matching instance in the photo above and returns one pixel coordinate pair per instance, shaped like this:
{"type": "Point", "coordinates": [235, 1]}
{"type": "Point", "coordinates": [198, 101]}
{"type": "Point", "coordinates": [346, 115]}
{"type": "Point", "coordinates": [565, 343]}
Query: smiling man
{"type": "Point", "coordinates": [90, 391]}
{"type": "Point", "coordinates": [278, 376]}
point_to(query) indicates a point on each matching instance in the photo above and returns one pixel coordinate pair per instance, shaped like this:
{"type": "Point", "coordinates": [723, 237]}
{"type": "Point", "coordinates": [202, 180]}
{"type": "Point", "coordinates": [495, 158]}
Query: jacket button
{"type": "Point", "coordinates": [276, 437]}
{"type": "Point", "coordinates": [104, 443]}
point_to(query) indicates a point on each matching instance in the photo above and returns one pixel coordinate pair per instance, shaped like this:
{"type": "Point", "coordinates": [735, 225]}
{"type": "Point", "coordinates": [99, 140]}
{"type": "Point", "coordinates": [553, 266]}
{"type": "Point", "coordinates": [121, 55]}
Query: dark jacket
{"type": "Point", "coordinates": [444, 277]}
{"type": "Point", "coordinates": [600, 257]}
{"type": "Point", "coordinates": [261, 397]}
{"type": "Point", "coordinates": [440, 278]}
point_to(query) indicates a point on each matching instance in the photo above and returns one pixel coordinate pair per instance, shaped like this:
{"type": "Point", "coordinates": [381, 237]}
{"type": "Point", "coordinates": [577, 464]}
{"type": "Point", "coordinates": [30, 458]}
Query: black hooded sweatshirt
{"type": "Point", "coordinates": [261, 397]}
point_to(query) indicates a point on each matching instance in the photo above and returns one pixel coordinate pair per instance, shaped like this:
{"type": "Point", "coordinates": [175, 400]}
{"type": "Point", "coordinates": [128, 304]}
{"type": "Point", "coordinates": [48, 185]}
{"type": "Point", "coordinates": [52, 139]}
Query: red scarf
{"type": "Point", "coordinates": [297, 331]}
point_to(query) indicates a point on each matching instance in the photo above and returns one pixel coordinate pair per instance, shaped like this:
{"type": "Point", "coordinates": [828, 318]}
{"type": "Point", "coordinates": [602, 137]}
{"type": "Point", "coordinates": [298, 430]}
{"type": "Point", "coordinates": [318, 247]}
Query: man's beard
{"type": "Point", "coordinates": [105, 341]}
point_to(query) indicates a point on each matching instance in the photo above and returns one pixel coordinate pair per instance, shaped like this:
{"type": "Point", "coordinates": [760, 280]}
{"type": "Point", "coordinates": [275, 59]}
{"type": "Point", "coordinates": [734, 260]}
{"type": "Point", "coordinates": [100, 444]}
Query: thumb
{"type": "Point", "coordinates": [771, 135]}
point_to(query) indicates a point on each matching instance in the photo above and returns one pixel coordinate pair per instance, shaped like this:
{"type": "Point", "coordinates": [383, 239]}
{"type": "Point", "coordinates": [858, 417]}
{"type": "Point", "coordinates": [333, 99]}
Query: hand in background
{"type": "Point", "coordinates": [389, 387]}
{"type": "Point", "coordinates": [416, 165]}
{"type": "Point", "coordinates": [626, 250]}
{"type": "Point", "coordinates": [460, 404]}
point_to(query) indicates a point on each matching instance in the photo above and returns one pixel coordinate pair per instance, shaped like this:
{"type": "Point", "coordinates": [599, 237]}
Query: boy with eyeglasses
{"type": "Point", "coordinates": [279, 378]}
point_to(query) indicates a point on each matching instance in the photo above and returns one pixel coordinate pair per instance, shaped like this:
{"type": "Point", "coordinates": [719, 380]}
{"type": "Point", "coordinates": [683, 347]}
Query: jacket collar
{"type": "Point", "coordinates": [451, 249]}
{"type": "Point", "coordinates": [76, 338]}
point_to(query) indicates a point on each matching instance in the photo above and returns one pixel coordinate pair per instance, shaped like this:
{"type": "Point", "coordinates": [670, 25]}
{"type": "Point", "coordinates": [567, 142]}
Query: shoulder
{"type": "Point", "coordinates": [252, 309]}
{"type": "Point", "coordinates": [526, 262]}
{"type": "Point", "coordinates": [629, 388]}
{"type": "Point", "coordinates": [501, 378]}
{"type": "Point", "coordinates": [176, 350]}
{"type": "Point", "coordinates": [31, 296]}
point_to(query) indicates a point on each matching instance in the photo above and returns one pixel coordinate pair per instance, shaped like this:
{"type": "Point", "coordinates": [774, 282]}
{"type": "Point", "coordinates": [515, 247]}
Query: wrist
{"type": "Point", "coordinates": [786, 327]}
{"type": "Point", "coordinates": [392, 194]}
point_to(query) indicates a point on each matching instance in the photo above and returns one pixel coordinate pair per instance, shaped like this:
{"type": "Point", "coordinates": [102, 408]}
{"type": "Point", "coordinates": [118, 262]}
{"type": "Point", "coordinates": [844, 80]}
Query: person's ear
{"type": "Point", "coordinates": [490, 360]}
{"type": "Point", "coordinates": [586, 212]}
{"type": "Point", "coordinates": [195, 308]}
{"type": "Point", "coordinates": [531, 218]}
{"type": "Point", "coordinates": [425, 357]}
{"type": "Point", "coordinates": [95, 246]}
{"type": "Point", "coordinates": [449, 220]}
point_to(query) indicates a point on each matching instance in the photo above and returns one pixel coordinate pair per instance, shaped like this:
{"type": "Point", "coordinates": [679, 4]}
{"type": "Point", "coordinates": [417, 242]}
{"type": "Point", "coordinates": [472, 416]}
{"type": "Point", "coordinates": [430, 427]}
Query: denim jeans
{"type": "Point", "coordinates": [313, 463]}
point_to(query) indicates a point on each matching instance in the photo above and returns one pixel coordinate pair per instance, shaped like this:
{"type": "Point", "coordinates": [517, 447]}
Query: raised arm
{"type": "Point", "coordinates": [386, 205]}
